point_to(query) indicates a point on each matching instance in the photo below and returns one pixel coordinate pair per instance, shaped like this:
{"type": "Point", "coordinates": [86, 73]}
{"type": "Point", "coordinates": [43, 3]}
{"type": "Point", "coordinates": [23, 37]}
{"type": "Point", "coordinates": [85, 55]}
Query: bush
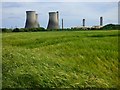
{"type": "Point", "coordinates": [5, 30]}
{"type": "Point", "coordinates": [111, 27]}
{"type": "Point", "coordinates": [16, 30]}
{"type": "Point", "coordinates": [28, 29]}
{"type": "Point", "coordinates": [22, 29]}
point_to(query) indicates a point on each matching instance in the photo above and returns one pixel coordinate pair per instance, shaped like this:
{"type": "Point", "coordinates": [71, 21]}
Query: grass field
{"type": "Point", "coordinates": [63, 59]}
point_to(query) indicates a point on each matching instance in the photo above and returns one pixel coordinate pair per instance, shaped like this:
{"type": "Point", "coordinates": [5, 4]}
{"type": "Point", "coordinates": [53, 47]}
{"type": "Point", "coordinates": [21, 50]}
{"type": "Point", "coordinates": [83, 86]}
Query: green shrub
{"type": "Point", "coordinates": [5, 30]}
{"type": "Point", "coordinates": [16, 30]}
{"type": "Point", "coordinates": [28, 29]}
{"type": "Point", "coordinates": [111, 27]}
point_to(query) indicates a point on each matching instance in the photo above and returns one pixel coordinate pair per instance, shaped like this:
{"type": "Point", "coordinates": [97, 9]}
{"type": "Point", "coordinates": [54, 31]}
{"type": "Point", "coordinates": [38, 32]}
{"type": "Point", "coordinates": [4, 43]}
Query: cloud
{"type": "Point", "coordinates": [71, 12]}
{"type": "Point", "coordinates": [60, 0]}
{"type": "Point", "coordinates": [119, 12]}
{"type": "Point", "coordinates": [11, 5]}
{"type": "Point", "coordinates": [0, 14]}
{"type": "Point", "coordinates": [91, 12]}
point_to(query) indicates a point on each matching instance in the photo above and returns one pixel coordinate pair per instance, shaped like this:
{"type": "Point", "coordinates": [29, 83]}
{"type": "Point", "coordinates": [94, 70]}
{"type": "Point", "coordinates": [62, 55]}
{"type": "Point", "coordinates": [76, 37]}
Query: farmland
{"type": "Point", "coordinates": [62, 59]}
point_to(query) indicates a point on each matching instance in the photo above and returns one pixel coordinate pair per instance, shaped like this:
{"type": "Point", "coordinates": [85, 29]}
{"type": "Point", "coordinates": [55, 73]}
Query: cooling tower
{"type": "Point", "coordinates": [83, 22]}
{"type": "Point", "coordinates": [31, 21]}
{"type": "Point", "coordinates": [101, 21]}
{"type": "Point", "coordinates": [36, 22]}
{"type": "Point", "coordinates": [53, 20]}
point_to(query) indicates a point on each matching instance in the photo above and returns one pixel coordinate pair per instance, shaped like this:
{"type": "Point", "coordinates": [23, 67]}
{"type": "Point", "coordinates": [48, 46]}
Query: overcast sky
{"type": "Point", "coordinates": [14, 13]}
{"type": "Point", "coordinates": [59, 0]}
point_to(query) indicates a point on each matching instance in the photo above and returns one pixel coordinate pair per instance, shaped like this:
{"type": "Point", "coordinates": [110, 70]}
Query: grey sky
{"type": "Point", "coordinates": [60, 0]}
{"type": "Point", "coordinates": [14, 13]}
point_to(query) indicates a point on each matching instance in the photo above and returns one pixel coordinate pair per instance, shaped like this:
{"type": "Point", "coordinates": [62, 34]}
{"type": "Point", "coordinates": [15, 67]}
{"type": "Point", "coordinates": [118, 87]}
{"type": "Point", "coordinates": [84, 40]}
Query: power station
{"type": "Point", "coordinates": [53, 22]}
{"type": "Point", "coordinates": [31, 20]}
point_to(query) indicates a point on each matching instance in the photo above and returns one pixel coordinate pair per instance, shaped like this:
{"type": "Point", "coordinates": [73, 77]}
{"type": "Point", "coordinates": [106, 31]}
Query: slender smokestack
{"type": "Point", "coordinates": [58, 15]}
{"type": "Point", "coordinates": [83, 22]}
{"type": "Point", "coordinates": [101, 21]}
{"type": "Point", "coordinates": [37, 23]}
{"type": "Point", "coordinates": [62, 23]}
{"type": "Point", "coordinates": [53, 20]}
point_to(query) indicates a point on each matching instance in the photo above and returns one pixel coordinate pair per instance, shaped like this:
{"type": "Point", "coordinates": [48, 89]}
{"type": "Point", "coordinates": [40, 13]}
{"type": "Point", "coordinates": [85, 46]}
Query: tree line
{"type": "Point", "coordinates": [106, 27]}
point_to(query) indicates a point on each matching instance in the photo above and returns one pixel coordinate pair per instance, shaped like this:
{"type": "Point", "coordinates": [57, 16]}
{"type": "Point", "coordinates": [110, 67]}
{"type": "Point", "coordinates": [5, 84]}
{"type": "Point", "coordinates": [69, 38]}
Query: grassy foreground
{"type": "Point", "coordinates": [60, 59]}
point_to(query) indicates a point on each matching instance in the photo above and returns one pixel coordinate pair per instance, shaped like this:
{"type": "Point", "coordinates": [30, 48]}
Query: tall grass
{"type": "Point", "coordinates": [60, 59]}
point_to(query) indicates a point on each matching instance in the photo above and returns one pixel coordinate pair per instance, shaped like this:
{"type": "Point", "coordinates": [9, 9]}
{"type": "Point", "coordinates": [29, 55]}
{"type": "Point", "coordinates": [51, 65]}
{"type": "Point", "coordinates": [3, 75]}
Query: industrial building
{"type": "Point", "coordinates": [31, 20]}
{"type": "Point", "coordinates": [89, 27]}
{"type": "Point", "coordinates": [53, 22]}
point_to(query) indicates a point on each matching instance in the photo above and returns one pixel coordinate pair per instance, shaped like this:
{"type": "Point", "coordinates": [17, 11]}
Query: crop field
{"type": "Point", "coordinates": [60, 59]}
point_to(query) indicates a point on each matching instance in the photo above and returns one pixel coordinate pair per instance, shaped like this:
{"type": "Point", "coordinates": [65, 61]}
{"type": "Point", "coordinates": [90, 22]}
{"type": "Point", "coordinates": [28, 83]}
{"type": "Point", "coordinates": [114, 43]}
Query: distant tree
{"type": "Point", "coordinates": [111, 27]}
{"type": "Point", "coordinates": [16, 30]}
{"type": "Point", "coordinates": [5, 30]}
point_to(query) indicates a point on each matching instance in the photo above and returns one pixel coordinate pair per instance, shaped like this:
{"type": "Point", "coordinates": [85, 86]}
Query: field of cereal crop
{"type": "Point", "coordinates": [60, 59]}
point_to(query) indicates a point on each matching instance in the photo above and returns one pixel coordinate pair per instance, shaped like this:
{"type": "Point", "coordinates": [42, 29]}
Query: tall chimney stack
{"type": "Point", "coordinates": [101, 21]}
{"type": "Point", "coordinates": [62, 23]}
{"type": "Point", "coordinates": [83, 22]}
{"type": "Point", "coordinates": [37, 23]}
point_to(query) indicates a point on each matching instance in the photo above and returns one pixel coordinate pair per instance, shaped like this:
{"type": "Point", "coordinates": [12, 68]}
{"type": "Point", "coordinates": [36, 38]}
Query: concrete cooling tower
{"type": "Point", "coordinates": [53, 22]}
{"type": "Point", "coordinates": [36, 22]}
{"type": "Point", "coordinates": [31, 20]}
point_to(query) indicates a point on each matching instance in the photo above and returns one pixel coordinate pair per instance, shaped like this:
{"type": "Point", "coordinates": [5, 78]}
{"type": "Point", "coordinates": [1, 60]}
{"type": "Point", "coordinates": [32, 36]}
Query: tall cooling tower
{"type": "Point", "coordinates": [31, 19]}
{"type": "Point", "coordinates": [53, 20]}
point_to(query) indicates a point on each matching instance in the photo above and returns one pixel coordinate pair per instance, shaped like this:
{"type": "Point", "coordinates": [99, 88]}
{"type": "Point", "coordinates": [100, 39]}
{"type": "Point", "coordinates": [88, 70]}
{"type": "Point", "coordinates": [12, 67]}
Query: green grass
{"type": "Point", "coordinates": [60, 59]}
